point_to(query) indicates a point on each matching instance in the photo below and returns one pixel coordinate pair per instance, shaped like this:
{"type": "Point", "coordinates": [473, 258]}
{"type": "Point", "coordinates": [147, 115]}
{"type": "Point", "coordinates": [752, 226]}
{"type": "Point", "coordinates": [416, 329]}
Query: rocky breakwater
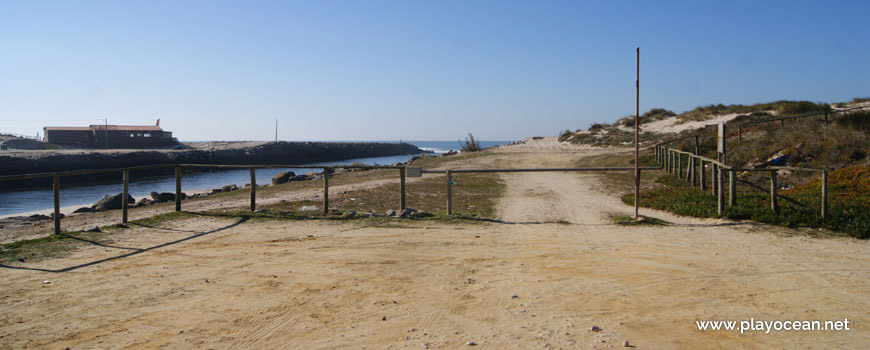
{"type": "Point", "coordinates": [241, 153]}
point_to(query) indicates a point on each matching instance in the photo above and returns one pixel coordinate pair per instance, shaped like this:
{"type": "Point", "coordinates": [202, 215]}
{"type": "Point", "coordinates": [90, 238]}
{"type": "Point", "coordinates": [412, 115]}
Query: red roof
{"type": "Point", "coordinates": [69, 128]}
{"type": "Point", "coordinates": [127, 127]}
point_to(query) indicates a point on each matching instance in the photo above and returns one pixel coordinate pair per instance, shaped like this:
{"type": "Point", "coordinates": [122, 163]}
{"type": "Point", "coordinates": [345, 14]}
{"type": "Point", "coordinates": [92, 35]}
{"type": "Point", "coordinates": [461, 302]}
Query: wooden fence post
{"type": "Point", "coordinates": [178, 188]}
{"type": "Point", "coordinates": [679, 165]}
{"type": "Point", "coordinates": [740, 133]}
{"type": "Point", "coordinates": [702, 176]}
{"type": "Point", "coordinates": [126, 180]}
{"type": "Point", "coordinates": [824, 192]}
{"type": "Point", "coordinates": [697, 146]}
{"type": "Point", "coordinates": [326, 190]}
{"type": "Point", "coordinates": [732, 188]}
{"type": "Point", "coordinates": [56, 187]}
{"type": "Point", "coordinates": [720, 193]}
{"type": "Point", "coordinates": [401, 189]}
{"type": "Point", "coordinates": [253, 190]}
{"type": "Point", "coordinates": [694, 172]}
{"type": "Point", "coordinates": [449, 194]}
{"type": "Point", "coordinates": [773, 191]}
{"type": "Point", "coordinates": [714, 178]}
{"type": "Point", "coordinates": [690, 168]}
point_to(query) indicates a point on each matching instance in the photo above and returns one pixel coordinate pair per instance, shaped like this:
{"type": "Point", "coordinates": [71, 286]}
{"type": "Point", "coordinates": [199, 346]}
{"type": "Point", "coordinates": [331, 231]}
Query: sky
{"type": "Point", "coordinates": [413, 70]}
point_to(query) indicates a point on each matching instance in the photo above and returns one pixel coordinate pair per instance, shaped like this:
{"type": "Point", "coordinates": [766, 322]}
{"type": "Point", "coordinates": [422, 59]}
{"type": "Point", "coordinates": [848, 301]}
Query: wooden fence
{"type": "Point", "coordinates": [671, 161]}
{"type": "Point", "coordinates": [125, 176]}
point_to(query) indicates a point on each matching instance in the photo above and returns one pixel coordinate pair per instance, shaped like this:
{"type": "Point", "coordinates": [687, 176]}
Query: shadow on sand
{"type": "Point", "coordinates": [134, 251]}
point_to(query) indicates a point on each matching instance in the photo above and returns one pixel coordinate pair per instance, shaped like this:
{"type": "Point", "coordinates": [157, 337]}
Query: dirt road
{"type": "Point", "coordinates": [209, 282]}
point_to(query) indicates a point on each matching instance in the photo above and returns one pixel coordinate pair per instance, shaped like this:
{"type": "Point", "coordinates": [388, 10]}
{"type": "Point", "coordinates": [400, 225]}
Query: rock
{"type": "Point", "coordinates": [391, 212]}
{"type": "Point", "coordinates": [471, 343]}
{"type": "Point", "coordinates": [143, 201]}
{"type": "Point", "coordinates": [84, 210]}
{"type": "Point", "coordinates": [514, 296]}
{"type": "Point", "coordinates": [349, 214]}
{"type": "Point", "coordinates": [282, 177]}
{"type": "Point", "coordinates": [52, 216]}
{"type": "Point", "coordinates": [165, 197]}
{"type": "Point", "coordinates": [384, 318]}
{"type": "Point", "coordinates": [625, 344]}
{"type": "Point", "coordinates": [112, 202]}
{"type": "Point", "coordinates": [594, 329]}
{"type": "Point", "coordinates": [37, 217]}
{"type": "Point", "coordinates": [228, 188]}
{"type": "Point", "coordinates": [94, 229]}
{"type": "Point", "coordinates": [407, 212]}
{"type": "Point", "coordinates": [122, 226]}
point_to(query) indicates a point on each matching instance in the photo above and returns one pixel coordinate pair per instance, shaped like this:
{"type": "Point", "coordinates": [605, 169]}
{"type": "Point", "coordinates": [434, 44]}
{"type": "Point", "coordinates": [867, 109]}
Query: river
{"type": "Point", "coordinates": [29, 200]}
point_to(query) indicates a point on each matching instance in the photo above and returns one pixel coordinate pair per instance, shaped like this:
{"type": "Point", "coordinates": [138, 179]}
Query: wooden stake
{"type": "Point", "coordinates": [126, 180]}
{"type": "Point", "coordinates": [773, 205]}
{"type": "Point", "coordinates": [178, 188]}
{"type": "Point", "coordinates": [325, 190]}
{"type": "Point", "coordinates": [449, 193]}
{"type": "Point", "coordinates": [56, 187]}
{"type": "Point", "coordinates": [254, 190]}
{"type": "Point", "coordinates": [401, 189]}
{"type": "Point", "coordinates": [732, 188]}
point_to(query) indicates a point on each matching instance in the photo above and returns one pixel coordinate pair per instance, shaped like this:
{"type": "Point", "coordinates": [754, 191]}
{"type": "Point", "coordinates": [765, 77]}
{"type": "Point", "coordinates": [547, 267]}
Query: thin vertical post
{"type": "Point", "coordinates": [449, 193]}
{"type": "Point", "coordinates": [826, 120]}
{"type": "Point", "coordinates": [720, 193]}
{"type": "Point", "coordinates": [636, 134]}
{"type": "Point", "coordinates": [253, 190]}
{"type": "Point", "coordinates": [56, 188]}
{"type": "Point", "coordinates": [401, 189]}
{"type": "Point", "coordinates": [740, 133]}
{"type": "Point", "coordinates": [773, 190]}
{"type": "Point", "coordinates": [690, 165]}
{"type": "Point", "coordinates": [697, 146]}
{"type": "Point", "coordinates": [680, 165]}
{"type": "Point", "coordinates": [782, 122]}
{"type": "Point", "coordinates": [694, 172]}
{"type": "Point", "coordinates": [126, 180]}
{"type": "Point", "coordinates": [178, 188]}
{"type": "Point", "coordinates": [732, 188]}
{"type": "Point", "coordinates": [326, 190]}
{"type": "Point", "coordinates": [714, 178]}
{"type": "Point", "coordinates": [824, 193]}
{"type": "Point", "coordinates": [702, 179]}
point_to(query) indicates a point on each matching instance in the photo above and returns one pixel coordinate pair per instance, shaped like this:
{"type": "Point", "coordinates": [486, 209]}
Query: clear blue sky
{"type": "Point", "coordinates": [413, 70]}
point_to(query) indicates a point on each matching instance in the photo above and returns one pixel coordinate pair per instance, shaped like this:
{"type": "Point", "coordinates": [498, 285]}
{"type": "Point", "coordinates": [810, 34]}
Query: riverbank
{"type": "Point", "coordinates": [244, 153]}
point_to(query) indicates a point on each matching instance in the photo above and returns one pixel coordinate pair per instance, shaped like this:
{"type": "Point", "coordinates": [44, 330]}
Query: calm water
{"type": "Point", "coordinates": [14, 202]}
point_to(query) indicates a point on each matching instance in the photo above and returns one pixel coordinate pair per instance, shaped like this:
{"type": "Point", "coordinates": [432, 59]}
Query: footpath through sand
{"type": "Point", "coordinates": [432, 285]}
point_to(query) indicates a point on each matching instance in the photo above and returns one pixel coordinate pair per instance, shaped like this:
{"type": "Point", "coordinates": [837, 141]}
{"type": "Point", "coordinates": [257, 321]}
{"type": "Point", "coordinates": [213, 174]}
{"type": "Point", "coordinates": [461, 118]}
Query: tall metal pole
{"type": "Point", "coordinates": [636, 132]}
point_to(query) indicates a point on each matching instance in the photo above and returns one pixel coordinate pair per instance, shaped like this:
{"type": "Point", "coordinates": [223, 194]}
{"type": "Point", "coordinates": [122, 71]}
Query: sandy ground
{"type": "Point", "coordinates": [220, 283]}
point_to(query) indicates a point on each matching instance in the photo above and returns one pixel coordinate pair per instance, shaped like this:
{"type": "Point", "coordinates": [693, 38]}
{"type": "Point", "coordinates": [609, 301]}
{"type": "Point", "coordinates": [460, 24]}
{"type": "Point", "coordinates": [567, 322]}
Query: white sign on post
{"type": "Point", "coordinates": [720, 145]}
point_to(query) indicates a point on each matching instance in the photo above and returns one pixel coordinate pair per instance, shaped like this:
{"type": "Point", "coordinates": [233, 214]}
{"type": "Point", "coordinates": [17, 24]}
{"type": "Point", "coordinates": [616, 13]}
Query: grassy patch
{"type": "Point", "coordinates": [798, 207]}
{"type": "Point", "coordinates": [46, 247]}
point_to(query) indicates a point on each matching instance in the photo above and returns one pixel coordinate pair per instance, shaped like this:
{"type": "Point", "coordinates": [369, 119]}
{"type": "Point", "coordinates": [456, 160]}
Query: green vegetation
{"type": "Point", "coordinates": [849, 198]}
{"type": "Point", "coordinates": [46, 247]}
{"type": "Point", "coordinates": [782, 108]}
